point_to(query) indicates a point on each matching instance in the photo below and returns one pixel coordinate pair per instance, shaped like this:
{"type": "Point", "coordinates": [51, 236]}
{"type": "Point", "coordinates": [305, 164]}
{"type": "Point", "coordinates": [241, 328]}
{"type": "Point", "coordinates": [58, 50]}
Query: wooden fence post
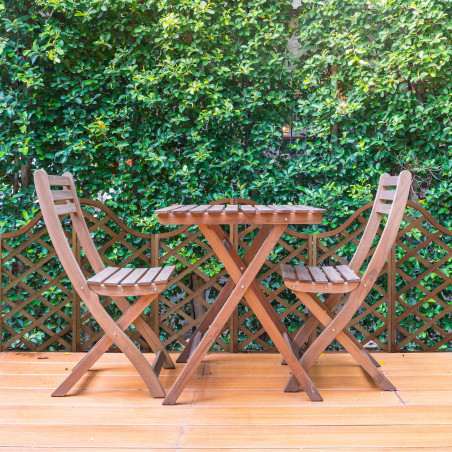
{"type": "Point", "coordinates": [234, 321]}
{"type": "Point", "coordinates": [155, 262]}
{"type": "Point", "coordinates": [76, 311]}
{"type": "Point", "coordinates": [312, 261]}
{"type": "Point", "coordinates": [392, 268]}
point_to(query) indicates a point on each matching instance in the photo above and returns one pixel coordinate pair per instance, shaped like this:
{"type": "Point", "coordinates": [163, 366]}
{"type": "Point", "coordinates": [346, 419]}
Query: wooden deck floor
{"type": "Point", "coordinates": [234, 402]}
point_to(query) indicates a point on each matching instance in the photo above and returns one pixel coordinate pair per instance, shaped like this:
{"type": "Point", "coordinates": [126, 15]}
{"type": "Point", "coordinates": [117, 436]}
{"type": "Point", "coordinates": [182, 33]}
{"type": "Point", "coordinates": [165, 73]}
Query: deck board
{"type": "Point", "coordinates": [225, 407]}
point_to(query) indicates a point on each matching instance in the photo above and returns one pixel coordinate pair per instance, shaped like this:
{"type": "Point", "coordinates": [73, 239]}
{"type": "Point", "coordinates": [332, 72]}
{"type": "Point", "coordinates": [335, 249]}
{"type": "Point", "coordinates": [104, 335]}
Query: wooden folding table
{"type": "Point", "coordinates": [242, 272]}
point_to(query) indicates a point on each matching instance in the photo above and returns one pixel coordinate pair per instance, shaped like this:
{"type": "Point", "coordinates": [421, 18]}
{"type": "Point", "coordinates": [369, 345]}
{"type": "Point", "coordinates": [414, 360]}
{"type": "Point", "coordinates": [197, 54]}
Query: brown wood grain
{"type": "Point", "coordinates": [113, 415]}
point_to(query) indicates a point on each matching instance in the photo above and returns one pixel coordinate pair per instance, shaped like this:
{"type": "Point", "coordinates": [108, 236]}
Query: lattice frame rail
{"type": "Point", "coordinates": [408, 309]}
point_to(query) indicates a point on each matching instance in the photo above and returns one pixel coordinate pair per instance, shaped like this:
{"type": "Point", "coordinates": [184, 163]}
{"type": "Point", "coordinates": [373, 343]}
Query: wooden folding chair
{"type": "Point", "coordinates": [344, 285]}
{"type": "Point", "coordinates": [146, 283]}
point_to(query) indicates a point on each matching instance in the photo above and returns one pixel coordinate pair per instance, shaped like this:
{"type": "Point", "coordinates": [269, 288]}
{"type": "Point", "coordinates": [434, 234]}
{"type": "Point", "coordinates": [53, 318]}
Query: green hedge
{"type": "Point", "coordinates": [184, 100]}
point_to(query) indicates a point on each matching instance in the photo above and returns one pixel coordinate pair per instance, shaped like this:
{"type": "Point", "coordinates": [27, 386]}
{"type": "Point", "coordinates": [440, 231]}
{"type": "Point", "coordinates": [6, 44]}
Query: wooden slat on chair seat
{"type": "Point", "coordinates": [348, 274]}
{"type": "Point", "coordinates": [287, 272]}
{"type": "Point", "coordinates": [149, 276]}
{"type": "Point", "coordinates": [318, 275]}
{"type": "Point", "coordinates": [303, 274]}
{"type": "Point", "coordinates": [117, 277]}
{"type": "Point", "coordinates": [63, 209]}
{"type": "Point", "coordinates": [163, 276]}
{"type": "Point", "coordinates": [100, 277]}
{"type": "Point", "coordinates": [128, 277]}
{"type": "Point", "coordinates": [332, 274]}
{"type": "Point", "coordinates": [134, 277]}
{"type": "Point", "coordinates": [58, 195]}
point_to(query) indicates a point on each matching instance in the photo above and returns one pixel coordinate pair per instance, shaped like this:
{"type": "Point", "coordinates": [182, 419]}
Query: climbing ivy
{"type": "Point", "coordinates": [175, 101]}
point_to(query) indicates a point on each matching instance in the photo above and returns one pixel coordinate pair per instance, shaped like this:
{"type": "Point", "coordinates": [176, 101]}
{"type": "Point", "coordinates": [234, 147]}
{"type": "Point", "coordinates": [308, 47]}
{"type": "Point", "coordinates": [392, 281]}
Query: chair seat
{"type": "Point", "coordinates": [115, 281]}
{"type": "Point", "coordinates": [326, 279]}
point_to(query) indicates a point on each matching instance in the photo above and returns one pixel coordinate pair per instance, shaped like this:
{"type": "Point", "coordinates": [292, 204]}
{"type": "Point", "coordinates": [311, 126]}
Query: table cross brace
{"type": "Point", "coordinates": [245, 286]}
{"type": "Point", "coordinates": [226, 291]}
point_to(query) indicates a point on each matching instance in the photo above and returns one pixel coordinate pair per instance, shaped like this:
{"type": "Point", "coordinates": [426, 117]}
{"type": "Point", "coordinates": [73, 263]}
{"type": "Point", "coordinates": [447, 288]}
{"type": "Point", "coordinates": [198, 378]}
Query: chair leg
{"type": "Point", "coordinates": [334, 329]}
{"type": "Point", "coordinates": [114, 333]}
{"type": "Point", "coordinates": [146, 331]}
{"type": "Point", "coordinates": [206, 321]}
{"type": "Point", "coordinates": [312, 323]}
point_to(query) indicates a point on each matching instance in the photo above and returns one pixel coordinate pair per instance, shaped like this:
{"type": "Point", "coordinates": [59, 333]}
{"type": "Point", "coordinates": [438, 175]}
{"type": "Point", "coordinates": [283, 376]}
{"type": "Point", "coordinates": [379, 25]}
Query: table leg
{"type": "Point", "coordinates": [207, 320]}
{"type": "Point", "coordinates": [243, 263]}
{"type": "Point", "coordinates": [261, 307]}
{"type": "Point", "coordinates": [227, 289]}
{"type": "Point", "coordinates": [243, 288]}
{"type": "Point", "coordinates": [227, 309]}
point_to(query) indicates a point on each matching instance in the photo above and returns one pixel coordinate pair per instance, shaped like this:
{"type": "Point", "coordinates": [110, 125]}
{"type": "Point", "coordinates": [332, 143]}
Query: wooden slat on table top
{"type": "Point", "coordinates": [183, 209]}
{"type": "Point", "coordinates": [199, 210]}
{"type": "Point", "coordinates": [165, 210]}
{"type": "Point", "coordinates": [215, 210]}
{"type": "Point", "coordinates": [280, 209]}
{"type": "Point", "coordinates": [245, 208]}
{"type": "Point", "coordinates": [234, 209]}
{"type": "Point", "coordinates": [240, 214]}
{"type": "Point", "coordinates": [264, 209]}
{"type": "Point", "coordinates": [231, 209]}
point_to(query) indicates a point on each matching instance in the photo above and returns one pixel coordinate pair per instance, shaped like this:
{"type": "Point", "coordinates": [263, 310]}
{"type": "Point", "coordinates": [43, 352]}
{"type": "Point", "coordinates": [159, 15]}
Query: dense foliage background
{"type": "Point", "coordinates": [150, 103]}
{"type": "Point", "coordinates": [156, 102]}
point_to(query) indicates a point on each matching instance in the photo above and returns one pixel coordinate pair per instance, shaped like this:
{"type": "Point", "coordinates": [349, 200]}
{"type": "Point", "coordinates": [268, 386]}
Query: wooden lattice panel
{"type": "Point", "coordinates": [36, 294]}
{"type": "Point", "coordinates": [409, 308]}
{"type": "Point", "coordinates": [423, 284]}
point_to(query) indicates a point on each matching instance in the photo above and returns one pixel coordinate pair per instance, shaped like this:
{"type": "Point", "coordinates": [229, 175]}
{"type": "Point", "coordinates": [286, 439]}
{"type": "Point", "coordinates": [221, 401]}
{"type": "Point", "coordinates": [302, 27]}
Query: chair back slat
{"type": "Point", "coordinates": [51, 211]}
{"type": "Point", "coordinates": [384, 209]}
{"type": "Point", "coordinates": [62, 195]}
{"type": "Point", "coordinates": [387, 202]}
{"type": "Point", "coordinates": [64, 209]}
{"type": "Point", "coordinates": [389, 181]}
{"type": "Point", "coordinates": [58, 181]}
{"type": "Point", "coordinates": [78, 221]}
{"type": "Point", "coordinates": [387, 195]}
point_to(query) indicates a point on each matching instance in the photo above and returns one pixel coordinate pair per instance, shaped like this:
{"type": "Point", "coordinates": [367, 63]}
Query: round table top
{"type": "Point", "coordinates": [239, 214]}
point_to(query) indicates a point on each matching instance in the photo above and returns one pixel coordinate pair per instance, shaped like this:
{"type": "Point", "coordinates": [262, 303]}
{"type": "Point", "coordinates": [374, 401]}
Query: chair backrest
{"type": "Point", "coordinates": [54, 203]}
{"type": "Point", "coordinates": [391, 199]}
